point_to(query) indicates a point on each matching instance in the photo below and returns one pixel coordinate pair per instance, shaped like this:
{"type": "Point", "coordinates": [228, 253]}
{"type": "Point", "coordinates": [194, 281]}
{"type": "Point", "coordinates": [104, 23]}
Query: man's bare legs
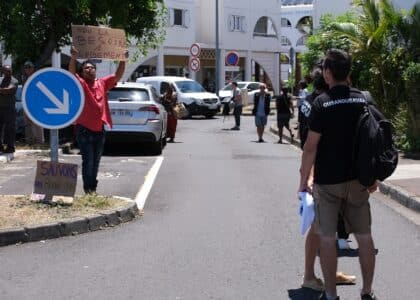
{"type": "Point", "coordinates": [328, 257]}
{"type": "Point", "coordinates": [367, 260]}
{"type": "Point", "coordinates": [311, 247]}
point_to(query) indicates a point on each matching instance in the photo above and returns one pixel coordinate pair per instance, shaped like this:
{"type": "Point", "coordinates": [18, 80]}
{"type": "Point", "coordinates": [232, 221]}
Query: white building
{"type": "Point", "coordinates": [249, 28]}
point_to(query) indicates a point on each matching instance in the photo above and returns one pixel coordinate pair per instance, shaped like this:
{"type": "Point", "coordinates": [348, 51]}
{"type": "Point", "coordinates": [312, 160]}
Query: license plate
{"type": "Point", "coordinates": [122, 113]}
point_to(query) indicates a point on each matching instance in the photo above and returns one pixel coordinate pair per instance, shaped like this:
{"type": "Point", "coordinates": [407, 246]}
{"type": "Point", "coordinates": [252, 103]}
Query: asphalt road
{"type": "Point", "coordinates": [220, 223]}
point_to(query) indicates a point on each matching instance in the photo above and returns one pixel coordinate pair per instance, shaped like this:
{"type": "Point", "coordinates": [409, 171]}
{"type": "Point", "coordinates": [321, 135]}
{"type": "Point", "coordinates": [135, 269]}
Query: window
{"type": "Point", "coordinates": [179, 17]}
{"type": "Point", "coordinates": [237, 23]}
{"type": "Point", "coordinates": [265, 27]}
{"type": "Point", "coordinates": [285, 22]}
{"type": "Point", "coordinates": [285, 41]}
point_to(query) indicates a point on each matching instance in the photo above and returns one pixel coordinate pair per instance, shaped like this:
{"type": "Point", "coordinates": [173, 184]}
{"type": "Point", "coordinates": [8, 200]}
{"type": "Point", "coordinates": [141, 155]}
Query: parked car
{"type": "Point", "coordinates": [195, 98]}
{"type": "Point", "coordinates": [251, 88]}
{"type": "Point", "coordinates": [137, 115]}
{"type": "Point", "coordinates": [20, 120]}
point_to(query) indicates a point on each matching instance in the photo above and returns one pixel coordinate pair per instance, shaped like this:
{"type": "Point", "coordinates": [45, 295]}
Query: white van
{"type": "Point", "coordinates": [189, 92]}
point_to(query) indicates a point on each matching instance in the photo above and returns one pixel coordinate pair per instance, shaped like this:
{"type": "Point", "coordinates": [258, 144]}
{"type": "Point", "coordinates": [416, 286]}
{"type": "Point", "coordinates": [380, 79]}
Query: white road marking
{"type": "Point", "coordinates": [144, 191]}
{"type": "Point", "coordinates": [406, 172]}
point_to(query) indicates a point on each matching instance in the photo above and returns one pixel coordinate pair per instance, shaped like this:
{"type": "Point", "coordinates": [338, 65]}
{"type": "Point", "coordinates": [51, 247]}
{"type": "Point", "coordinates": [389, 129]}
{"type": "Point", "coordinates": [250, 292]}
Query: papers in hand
{"type": "Point", "coordinates": [306, 211]}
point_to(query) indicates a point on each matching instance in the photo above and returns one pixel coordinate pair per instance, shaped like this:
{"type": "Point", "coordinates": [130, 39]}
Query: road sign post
{"type": "Point", "coordinates": [53, 98]}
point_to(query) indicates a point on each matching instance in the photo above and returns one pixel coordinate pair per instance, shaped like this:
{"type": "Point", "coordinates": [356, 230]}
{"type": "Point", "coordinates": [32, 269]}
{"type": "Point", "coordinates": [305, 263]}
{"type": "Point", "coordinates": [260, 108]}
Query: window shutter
{"type": "Point", "coordinates": [186, 20]}
{"type": "Point", "coordinates": [171, 17]}
{"type": "Point", "coordinates": [231, 23]}
{"type": "Point", "coordinates": [243, 24]}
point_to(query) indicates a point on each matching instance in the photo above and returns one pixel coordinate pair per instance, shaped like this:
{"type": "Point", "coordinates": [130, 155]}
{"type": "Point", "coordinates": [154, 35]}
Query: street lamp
{"type": "Point", "coordinates": [217, 49]}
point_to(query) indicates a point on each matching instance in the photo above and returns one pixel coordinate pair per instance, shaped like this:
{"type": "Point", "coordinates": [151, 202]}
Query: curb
{"type": "Point", "coordinates": [68, 227]}
{"type": "Point", "coordinates": [394, 192]}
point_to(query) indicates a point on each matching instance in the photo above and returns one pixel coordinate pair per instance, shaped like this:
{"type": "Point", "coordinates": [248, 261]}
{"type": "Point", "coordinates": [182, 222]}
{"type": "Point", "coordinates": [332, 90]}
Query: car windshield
{"type": "Point", "coordinates": [128, 95]}
{"type": "Point", "coordinates": [189, 87]}
{"type": "Point", "coordinates": [229, 86]}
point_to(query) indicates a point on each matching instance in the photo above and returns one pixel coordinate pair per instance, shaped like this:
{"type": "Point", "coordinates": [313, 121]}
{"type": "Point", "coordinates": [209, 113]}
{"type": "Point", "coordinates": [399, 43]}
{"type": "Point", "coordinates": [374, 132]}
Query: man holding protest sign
{"type": "Point", "coordinates": [90, 133]}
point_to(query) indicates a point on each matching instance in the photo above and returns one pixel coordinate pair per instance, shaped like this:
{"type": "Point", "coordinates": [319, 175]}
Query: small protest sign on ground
{"type": "Point", "coordinates": [99, 42]}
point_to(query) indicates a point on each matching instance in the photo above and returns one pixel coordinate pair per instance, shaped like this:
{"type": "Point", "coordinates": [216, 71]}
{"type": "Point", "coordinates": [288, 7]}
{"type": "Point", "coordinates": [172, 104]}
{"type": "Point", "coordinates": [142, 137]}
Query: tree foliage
{"type": "Point", "coordinates": [385, 45]}
{"type": "Point", "coordinates": [33, 29]}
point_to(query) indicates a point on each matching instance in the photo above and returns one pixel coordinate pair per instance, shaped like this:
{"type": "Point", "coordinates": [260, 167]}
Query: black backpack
{"type": "Point", "coordinates": [374, 151]}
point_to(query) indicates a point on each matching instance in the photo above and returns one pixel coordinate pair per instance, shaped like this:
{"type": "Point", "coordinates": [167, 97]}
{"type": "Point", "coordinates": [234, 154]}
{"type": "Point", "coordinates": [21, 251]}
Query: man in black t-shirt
{"type": "Point", "coordinates": [329, 148]}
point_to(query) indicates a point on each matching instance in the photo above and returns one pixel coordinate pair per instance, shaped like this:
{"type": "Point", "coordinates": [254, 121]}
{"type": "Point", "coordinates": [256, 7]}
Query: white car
{"type": "Point", "coordinates": [195, 98]}
{"type": "Point", "coordinates": [137, 115]}
{"type": "Point", "coordinates": [251, 88]}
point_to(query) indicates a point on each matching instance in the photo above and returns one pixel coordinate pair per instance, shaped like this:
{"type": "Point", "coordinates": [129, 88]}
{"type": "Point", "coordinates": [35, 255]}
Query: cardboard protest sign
{"type": "Point", "coordinates": [54, 178]}
{"type": "Point", "coordinates": [99, 42]}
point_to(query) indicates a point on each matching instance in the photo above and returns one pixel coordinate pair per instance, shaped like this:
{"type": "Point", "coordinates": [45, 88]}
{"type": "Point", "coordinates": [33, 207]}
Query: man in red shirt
{"type": "Point", "coordinates": [90, 133]}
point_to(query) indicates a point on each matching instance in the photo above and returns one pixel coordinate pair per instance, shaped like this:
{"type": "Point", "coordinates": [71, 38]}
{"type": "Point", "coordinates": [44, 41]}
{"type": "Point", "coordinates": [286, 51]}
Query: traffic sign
{"type": "Point", "coordinates": [53, 98]}
{"type": "Point", "coordinates": [195, 50]}
{"type": "Point", "coordinates": [232, 58]}
{"type": "Point", "coordinates": [195, 64]}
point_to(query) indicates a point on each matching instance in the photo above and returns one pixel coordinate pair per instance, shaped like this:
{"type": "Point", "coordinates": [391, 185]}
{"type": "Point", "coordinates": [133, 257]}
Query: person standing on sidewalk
{"type": "Point", "coordinates": [34, 134]}
{"type": "Point", "coordinates": [284, 108]}
{"type": "Point", "coordinates": [261, 110]}
{"type": "Point", "coordinates": [90, 133]}
{"type": "Point", "coordinates": [8, 87]}
{"type": "Point", "coordinates": [312, 238]}
{"type": "Point", "coordinates": [237, 105]}
{"type": "Point", "coordinates": [329, 150]}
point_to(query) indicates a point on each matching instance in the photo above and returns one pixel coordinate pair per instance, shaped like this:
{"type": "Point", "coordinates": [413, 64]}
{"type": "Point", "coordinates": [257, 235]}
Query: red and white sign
{"type": "Point", "coordinates": [194, 64]}
{"type": "Point", "coordinates": [232, 58]}
{"type": "Point", "coordinates": [195, 50]}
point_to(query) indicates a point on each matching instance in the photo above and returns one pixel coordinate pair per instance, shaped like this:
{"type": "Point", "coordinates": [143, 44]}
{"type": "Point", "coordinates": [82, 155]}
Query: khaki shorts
{"type": "Point", "coordinates": [351, 199]}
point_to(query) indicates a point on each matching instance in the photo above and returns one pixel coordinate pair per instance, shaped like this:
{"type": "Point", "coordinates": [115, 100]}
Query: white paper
{"type": "Point", "coordinates": [306, 211]}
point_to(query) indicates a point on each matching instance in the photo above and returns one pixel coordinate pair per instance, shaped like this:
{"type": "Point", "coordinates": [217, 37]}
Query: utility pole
{"type": "Point", "coordinates": [217, 49]}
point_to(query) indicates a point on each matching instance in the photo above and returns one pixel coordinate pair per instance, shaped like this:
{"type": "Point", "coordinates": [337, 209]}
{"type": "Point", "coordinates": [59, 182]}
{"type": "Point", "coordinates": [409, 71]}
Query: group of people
{"type": "Point", "coordinates": [261, 110]}
{"type": "Point", "coordinates": [327, 121]}
{"type": "Point", "coordinates": [327, 129]}
{"type": "Point", "coordinates": [34, 134]}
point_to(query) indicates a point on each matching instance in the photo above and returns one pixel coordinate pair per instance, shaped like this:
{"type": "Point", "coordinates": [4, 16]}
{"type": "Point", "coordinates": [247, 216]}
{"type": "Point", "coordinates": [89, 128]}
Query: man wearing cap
{"type": "Point", "coordinates": [34, 134]}
{"type": "Point", "coordinates": [8, 86]}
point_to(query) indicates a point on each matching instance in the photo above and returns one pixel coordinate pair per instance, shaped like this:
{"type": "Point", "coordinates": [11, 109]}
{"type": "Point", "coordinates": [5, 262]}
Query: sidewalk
{"type": "Point", "coordinates": [403, 186]}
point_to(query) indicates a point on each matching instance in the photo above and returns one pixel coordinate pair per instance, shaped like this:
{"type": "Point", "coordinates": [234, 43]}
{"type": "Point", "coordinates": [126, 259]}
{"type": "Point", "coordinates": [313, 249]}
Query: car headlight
{"type": "Point", "coordinates": [198, 101]}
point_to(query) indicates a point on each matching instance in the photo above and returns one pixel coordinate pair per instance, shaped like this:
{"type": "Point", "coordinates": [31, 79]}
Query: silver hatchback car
{"type": "Point", "coordinates": [137, 115]}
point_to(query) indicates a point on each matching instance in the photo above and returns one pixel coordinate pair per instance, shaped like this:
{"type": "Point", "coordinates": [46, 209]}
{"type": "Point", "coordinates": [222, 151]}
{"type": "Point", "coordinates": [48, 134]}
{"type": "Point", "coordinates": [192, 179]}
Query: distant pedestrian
{"type": "Point", "coordinates": [169, 101]}
{"type": "Point", "coordinates": [329, 150]}
{"type": "Point", "coordinates": [237, 105]}
{"type": "Point", "coordinates": [302, 93]}
{"type": "Point", "coordinates": [8, 87]}
{"type": "Point", "coordinates": [90, 133]}
{"type": "Point", "coordinates": [284, 108]}
{"type": "Point", "coordinates": [261, 111]}
{"type": "Point", "coordinates": [34, 134]}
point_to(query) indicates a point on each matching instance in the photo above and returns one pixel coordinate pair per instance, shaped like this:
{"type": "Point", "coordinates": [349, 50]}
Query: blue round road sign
{"type": "Point", "coordinates": [232, 58]}
{"type": "Point", "coordinates": [53, 98]}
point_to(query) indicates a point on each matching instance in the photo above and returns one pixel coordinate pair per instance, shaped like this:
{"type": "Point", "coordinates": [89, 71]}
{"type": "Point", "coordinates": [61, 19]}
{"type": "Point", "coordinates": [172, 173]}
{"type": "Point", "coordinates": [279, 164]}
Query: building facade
{"type": "Point", "coordinates": [248, 28]}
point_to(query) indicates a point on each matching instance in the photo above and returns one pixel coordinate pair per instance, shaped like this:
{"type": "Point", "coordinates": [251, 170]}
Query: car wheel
{"type": "Point", "coordinates": [157, 147]}
{"type": "Point", "coordinates": [209, 115]}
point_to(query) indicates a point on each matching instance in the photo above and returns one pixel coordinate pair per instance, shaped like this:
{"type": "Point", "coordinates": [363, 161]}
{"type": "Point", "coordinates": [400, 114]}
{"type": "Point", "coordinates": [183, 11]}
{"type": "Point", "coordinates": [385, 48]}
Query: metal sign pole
{"type": "Point", "coordinates": [56, 63]}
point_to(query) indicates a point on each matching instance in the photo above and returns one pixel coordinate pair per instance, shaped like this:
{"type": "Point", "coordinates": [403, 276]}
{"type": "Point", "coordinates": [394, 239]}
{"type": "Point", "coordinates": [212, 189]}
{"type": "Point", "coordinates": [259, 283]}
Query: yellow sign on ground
{"type": "Point", "coordinates": [99, 42]}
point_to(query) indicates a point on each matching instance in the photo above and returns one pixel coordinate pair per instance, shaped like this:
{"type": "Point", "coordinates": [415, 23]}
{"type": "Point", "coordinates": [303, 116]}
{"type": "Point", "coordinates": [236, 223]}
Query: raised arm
{"type": "Point", "coordinates": [73, 60]}
{"type": "Point", "coordinates": [121, 68]}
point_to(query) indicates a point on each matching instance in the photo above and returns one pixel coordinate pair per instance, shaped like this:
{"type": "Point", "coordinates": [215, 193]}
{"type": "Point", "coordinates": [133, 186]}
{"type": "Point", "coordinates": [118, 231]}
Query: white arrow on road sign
{"type": "Point", "coordinates": [62, 107]}
{"type": "Point", "coordinates": [53, 98]}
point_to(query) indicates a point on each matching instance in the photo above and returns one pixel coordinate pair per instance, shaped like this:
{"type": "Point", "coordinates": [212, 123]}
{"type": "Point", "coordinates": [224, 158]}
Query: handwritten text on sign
{"type": "Point", "coordinates": [99, 42]}
{"type": "Point", "coordinates": [54, 178]}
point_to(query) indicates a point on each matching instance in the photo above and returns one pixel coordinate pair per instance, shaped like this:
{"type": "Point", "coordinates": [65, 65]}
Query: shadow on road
{"type": "Point", "coordinates": [303, 294]}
